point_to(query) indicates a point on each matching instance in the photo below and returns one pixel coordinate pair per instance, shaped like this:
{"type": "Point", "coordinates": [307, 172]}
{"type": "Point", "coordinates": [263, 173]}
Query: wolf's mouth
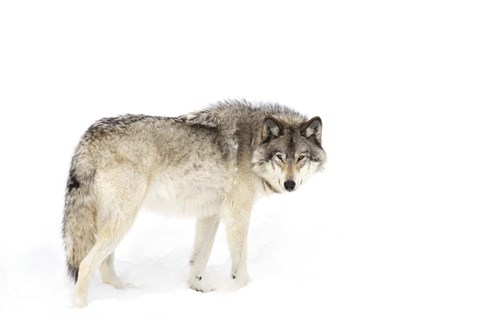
{"type": "Point", "coordinates": [268, 186]}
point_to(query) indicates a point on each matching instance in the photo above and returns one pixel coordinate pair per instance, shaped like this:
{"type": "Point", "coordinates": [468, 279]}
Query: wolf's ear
{"type": "Point", "coordinates": [271, 129]}
{"type": "Point", "coordinates": [312, 129]}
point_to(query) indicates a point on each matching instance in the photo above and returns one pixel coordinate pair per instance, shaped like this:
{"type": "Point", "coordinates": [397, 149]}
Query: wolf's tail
{"type": "Point", "coordinates": [79, 220]}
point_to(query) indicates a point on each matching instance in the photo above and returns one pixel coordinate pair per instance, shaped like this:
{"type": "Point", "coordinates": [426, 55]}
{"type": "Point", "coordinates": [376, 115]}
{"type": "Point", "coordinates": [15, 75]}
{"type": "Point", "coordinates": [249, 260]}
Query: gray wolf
{"type": "Point", "coordinates": [211, 164]}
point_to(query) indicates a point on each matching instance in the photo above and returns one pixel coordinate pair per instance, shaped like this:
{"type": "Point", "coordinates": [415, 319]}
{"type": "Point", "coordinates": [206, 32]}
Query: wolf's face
{"type": "Point", "coordinates": [288, 154]}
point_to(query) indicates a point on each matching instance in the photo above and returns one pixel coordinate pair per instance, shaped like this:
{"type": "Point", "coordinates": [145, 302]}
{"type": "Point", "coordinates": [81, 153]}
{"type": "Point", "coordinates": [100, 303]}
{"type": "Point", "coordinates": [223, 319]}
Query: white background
{"type": "Point", "coordinates": [389, 231]}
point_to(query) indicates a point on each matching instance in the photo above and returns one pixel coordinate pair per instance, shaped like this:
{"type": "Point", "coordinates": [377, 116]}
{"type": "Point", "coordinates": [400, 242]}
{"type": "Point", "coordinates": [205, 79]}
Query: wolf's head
{"type": "Point", "coordinates": [288, 154]}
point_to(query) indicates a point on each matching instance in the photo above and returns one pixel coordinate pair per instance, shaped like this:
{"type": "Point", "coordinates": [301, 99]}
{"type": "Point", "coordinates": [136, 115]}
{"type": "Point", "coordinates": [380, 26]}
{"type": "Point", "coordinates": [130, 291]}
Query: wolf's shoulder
{"type": "Point", "coordinates": [227, 112]}
{"type": "Point", "coordinates": [218, 114]}
{"type": "Point", "coordinates": [205, 118]}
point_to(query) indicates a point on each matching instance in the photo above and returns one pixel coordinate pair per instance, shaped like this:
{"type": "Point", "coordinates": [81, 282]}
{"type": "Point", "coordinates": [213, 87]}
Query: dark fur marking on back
{"type": "Point", "coordinates": [124, 120]}
{"type": "Point", "coordinates": [107, 125]}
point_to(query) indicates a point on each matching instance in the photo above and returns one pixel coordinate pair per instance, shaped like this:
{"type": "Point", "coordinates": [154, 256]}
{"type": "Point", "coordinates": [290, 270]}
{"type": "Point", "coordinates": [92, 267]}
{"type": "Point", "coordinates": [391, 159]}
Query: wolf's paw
{"type": "Point", "coordinates": [202, 288]}
{"type": "Point", "coordinates": [241, 280]}
{"type": "Point", "coordinates": [128, 286]}
{"type": "Point", "coordinates": [198, 285]}
{"type": "Point", "coordinates": [119, 284]}
{"type": "Point", "coordinates": [79, 302]}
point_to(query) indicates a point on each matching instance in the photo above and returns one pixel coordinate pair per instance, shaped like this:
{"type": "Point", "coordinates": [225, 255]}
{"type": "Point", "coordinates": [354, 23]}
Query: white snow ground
{"type": "Point", "coordinates": [389, 231]}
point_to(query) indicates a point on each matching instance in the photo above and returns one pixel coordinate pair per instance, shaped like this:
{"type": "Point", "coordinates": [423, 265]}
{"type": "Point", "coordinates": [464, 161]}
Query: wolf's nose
{"type": "Point", "coordinates": [289, 185]}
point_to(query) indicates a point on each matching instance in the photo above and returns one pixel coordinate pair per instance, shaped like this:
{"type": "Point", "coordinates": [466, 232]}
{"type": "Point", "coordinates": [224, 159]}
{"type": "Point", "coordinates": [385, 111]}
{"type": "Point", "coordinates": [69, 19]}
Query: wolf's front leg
{"type": "Point", "coordinates": [204, 238]}
{"type": "Point", "coordinates": [237, 231]}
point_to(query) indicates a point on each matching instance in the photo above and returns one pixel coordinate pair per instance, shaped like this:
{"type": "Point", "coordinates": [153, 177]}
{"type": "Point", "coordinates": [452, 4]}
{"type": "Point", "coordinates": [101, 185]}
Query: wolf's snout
{"type": "Point", "coordinates": [289, 185]}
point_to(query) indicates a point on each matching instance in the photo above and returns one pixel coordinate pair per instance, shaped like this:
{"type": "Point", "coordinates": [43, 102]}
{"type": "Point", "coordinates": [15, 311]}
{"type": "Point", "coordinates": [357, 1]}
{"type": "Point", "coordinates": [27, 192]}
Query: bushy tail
{"type": "Point", "coordinates": [79, 220]}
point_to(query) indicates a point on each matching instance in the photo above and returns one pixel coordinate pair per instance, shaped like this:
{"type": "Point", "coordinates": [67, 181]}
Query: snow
{"type": "Point", "coordinates": [390, 230]}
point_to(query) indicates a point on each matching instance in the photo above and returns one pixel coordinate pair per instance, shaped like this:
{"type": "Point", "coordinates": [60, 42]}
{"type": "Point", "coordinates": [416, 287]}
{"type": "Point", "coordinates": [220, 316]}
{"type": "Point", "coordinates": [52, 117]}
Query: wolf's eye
{"type": "Point", "coordinates": [278, 156]}
{"type": "Point", "coordinates": [300, 158]}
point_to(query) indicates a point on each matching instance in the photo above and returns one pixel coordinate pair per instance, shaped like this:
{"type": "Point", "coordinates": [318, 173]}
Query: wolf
{"type": "Point", "coordinates": [211, 164]}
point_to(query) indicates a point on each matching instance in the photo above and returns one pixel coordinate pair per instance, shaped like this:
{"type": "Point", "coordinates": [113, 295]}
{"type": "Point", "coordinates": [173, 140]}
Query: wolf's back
{"type": "Point", "coordinates": [79, 220]}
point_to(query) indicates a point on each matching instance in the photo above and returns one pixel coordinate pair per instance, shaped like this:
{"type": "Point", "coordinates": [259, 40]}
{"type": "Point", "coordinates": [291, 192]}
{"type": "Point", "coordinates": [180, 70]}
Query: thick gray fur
{"type": "Point", "coordinates": [211, 164]}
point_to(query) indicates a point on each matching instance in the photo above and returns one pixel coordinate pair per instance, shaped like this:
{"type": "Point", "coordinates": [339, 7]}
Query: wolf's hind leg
{"type": "Point", "coordinates": [118, 204]}
{"type": "Point", "coordinates": [107, 240]}
{"type": "Point", "coordinates": [109, 276]}
{"type": "Point", "coordinates": [206, 230]}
